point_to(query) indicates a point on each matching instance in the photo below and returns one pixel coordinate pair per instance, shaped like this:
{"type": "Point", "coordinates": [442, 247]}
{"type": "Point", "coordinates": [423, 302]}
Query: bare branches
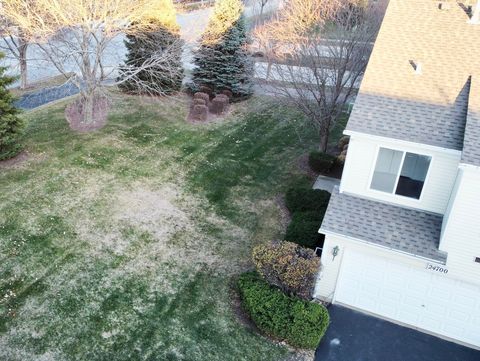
{"type": "Point", "coordinates": [146, 75]}
{"type": "Point", "coordinates": [76, 36]}
{"type": "Point", "coordinates": [316, 53]}
{"type": "Point", "coordinates": [42, 19]}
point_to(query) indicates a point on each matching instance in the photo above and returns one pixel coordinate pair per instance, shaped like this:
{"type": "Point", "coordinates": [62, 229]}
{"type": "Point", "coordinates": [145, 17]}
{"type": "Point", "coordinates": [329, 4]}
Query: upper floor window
{"type": "Point", "coordinates": [400, 173]}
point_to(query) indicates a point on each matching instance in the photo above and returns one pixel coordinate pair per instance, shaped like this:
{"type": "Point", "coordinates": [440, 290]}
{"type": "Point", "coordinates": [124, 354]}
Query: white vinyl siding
{"type": "Point", "coordinates": [461, 237]}
{"type": "Point", "coordinates": [360, 165]}
{"type": "Point", "coordinates": [327, 277]}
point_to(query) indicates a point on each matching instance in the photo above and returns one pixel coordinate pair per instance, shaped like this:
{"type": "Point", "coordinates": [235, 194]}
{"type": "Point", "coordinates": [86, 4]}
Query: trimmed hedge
{"type": "Point", "coordinates": [306, 199]}
{"type": "Point", "coordinates": [303, 229]}
{"type": "Point", "coordinates": [321, 162]}
{"type": "Point", "coordinates": [301, 324]}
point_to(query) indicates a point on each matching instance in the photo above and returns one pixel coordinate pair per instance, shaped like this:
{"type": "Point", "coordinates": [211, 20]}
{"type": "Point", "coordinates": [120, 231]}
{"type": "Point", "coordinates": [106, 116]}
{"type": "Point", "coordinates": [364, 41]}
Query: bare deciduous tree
{"type": "Point", "coordinates": [17, 46]}
{"type": "Point", "coordinates": [76, 35]}
{"type": "Point", "coordinates": [262, 4]}
{"type": "Point", "coordinates": [316, 54]}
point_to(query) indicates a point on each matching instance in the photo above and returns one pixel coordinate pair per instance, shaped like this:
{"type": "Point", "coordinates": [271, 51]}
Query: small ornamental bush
{"type": "Point", "coordinates": [303, 228]}
{"type": "Point", "coordinates": [287, 266]}
{"type": "Point", "coordinates": [305, 199]}
{"type": "Point", "coordinates": [298, 322]}
{"type": "Point", "coordinates": [321, 162]}
{"type": "Point", "coordinates": [343, 141]}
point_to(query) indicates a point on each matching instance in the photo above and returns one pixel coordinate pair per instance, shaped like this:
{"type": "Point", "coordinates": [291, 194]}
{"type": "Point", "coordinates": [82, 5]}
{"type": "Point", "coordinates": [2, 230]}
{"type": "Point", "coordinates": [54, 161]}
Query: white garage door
{"type": "Point", "coordinates": [417, 297]}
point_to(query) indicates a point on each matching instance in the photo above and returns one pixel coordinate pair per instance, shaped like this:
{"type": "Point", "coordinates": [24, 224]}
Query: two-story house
{"type": "Point", "coordinates": [403, 229]}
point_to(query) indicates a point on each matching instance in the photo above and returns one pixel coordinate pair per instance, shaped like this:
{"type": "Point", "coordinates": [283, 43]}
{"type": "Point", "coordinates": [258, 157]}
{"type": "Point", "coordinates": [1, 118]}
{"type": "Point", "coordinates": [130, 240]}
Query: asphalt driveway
{"type": "Point", "coordinates": [354, 336]}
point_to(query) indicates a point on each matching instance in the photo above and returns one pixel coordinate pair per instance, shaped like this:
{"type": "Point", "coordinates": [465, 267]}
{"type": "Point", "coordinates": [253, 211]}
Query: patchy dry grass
{"type": "Point", "coordinates": [122, 244]}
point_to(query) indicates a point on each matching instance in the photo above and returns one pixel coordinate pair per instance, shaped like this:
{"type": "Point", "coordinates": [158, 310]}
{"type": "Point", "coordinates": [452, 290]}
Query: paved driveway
{"type": "Point", "coordinates": [353, 336]}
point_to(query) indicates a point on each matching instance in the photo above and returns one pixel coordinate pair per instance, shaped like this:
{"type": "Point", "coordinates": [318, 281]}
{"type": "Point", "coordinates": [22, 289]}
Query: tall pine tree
{"type": "Point", "coordinates": [11, 125]}
{"type": "Point", "coordinates": [161, 41]}
{"type": "Point", "coordinates": [222, 61]}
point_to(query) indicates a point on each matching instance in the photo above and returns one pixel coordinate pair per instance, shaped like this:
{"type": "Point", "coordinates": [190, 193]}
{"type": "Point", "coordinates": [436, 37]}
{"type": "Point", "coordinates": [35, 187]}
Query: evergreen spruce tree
{"type": "Point", "coordinates": [164, 36]}
{"type": "Point", "coordinates": [222, 61]}
{"type": "Point", "coordinates": [11, 125]}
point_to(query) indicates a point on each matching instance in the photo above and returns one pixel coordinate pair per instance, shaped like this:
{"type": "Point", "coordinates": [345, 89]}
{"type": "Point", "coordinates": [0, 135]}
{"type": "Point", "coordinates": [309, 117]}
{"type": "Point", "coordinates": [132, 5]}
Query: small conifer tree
{"type": "Point", "coordinates": [11, 125]}
{"type": "Point", "coordinates": [222, 61]}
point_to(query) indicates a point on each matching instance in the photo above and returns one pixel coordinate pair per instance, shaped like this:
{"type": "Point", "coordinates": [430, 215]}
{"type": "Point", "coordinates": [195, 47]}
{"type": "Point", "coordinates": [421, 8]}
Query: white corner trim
{"type": "Point", "coordinates": [471, 167]}
{"type": "Point", "coordinates": [379, 138]}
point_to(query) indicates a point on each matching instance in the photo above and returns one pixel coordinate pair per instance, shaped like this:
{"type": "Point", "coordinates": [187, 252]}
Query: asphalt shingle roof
{"type": "Point", "coordinates": [471, 143]}
{"type": "Point", "coordinates": [402, 229]}
{"type": "Point", "coordinates": [430, 107]}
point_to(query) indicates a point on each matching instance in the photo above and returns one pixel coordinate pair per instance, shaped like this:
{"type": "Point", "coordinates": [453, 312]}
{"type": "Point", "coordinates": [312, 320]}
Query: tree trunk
{"type": "Point", "coordinates": [88, 105]}
{"type": "Point", "coordinates": [22, 52]}
{"type": "Point", "coordinates": [325, 127]}
{"type": "Point", "coordinates": [102, 72]}
{"type": "Point", "coordinates": [324, 141]}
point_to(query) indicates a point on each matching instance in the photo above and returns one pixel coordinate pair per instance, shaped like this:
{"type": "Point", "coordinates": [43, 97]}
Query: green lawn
{"type": "Point", "coordinates": [123, 244]}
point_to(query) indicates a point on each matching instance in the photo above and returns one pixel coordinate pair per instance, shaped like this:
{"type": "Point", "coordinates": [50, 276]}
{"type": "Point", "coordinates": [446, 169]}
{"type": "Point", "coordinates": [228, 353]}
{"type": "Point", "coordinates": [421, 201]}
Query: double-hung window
{"type": "Point", "coordinates": [400, 173]}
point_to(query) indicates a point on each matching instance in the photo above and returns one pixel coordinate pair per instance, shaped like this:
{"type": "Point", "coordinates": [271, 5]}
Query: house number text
{"type": "Point", "coordinates": [436, 268]}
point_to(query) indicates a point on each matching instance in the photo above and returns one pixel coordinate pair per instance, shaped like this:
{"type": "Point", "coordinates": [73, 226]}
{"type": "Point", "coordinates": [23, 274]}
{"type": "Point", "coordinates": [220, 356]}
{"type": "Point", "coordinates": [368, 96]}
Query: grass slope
{"type": "Point", "coordinates": [122, 244]}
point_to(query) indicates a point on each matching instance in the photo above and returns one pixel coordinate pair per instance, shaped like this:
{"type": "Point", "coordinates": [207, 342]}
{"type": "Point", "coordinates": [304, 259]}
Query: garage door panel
{"type": "Point", "coordinates": [440, 292]}
{"type": "Point", "coordinates": [407, 316]}
{"type": "Point", "coordinates": [434, 307]}
{"type": "Point", "coordinates": [370, 288]}
{"type": "Point", "coordinates": [396, 280]}
{"type": "Point", "coordinates": [387, 310]}
{"type": "Point", "coordinates": [392, 295]}
{"type": "Point", "coordinates": [432, 323]}
{"type": "Point", "coordinates": [460, 316]}
{"type": "Point", "coordinates": [417, 287]}
{"type": "Point", "coordinates": [414, 296]}
{"type": "Point", "coordinates": [414, 302]}
{"type": "Point", "coordinates": [465, 301]}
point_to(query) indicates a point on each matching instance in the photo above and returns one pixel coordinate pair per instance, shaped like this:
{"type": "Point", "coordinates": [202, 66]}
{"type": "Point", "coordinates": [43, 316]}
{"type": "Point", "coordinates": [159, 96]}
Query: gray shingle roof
{"type": "Point", "coordinates": [402, 229]}
{"type": "Point", "coordinates": [471, 143]}
{"type": "Point", "coordinates": [431, 107]}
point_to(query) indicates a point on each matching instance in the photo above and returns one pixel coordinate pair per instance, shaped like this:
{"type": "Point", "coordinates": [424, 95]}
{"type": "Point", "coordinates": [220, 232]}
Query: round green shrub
{"type": "Point", "coordinates": [300, 323]}
{"type": "Point", "coordinates": [306, 199]}
{"type": "Point", "coordinates": [321, 162]}
{"type": "Point", "coordinates": [303, 229]}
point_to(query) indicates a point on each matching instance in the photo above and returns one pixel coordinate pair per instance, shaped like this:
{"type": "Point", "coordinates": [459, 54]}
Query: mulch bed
{"type": "Point", "coordinates": [239, 312]}
{"type": "Point", "coordinates": [15, 161]}
{"type": "Point", "coordinates": [335, 172]}
{"type": "Point", "coordinates": [74, 115]}
{"type": "Point", "coordinates": [302, 164]}
{"type": "Point", "coordinates": [285, 216]}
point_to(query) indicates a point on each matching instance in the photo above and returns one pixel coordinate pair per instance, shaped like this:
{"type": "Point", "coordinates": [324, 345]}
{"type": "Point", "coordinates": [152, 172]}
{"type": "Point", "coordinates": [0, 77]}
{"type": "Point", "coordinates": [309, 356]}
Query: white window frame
{"type": "Point", "coordinates": [393, 194]}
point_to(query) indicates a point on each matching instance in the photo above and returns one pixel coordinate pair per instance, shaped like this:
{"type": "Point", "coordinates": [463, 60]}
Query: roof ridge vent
{"type": "Point", "coordinates": [475, 18]}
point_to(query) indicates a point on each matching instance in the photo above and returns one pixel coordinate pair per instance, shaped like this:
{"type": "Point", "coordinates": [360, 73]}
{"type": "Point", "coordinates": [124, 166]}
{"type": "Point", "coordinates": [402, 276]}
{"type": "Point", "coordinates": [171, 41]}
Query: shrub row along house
{"type": "Point", "coordinates": [403, 229]}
